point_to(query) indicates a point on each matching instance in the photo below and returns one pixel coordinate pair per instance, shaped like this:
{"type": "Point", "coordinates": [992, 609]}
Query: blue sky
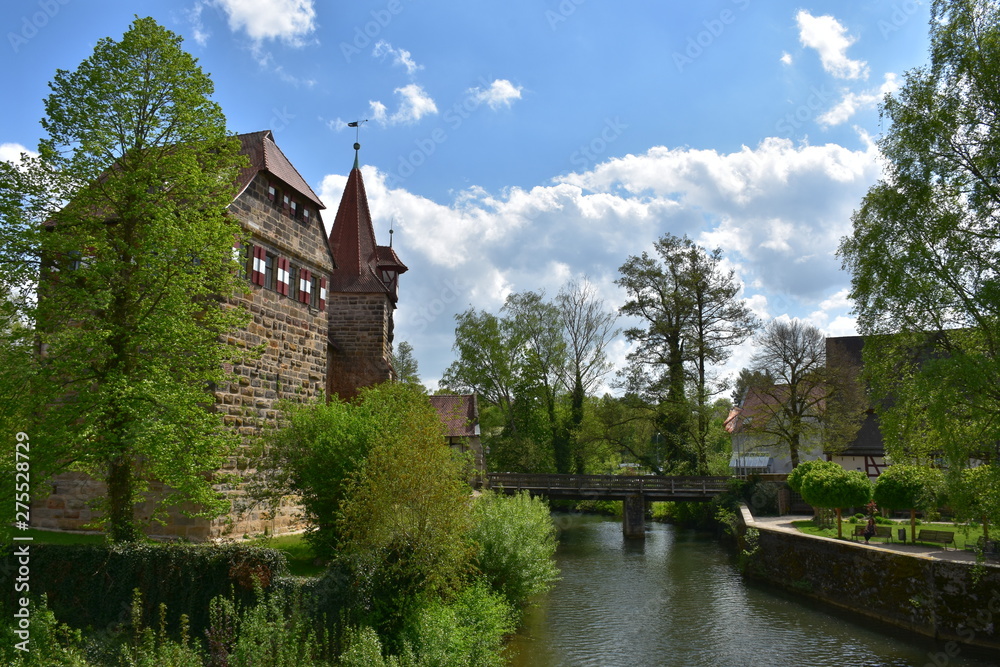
{"type": "Point", "coordinates": [517, 145]}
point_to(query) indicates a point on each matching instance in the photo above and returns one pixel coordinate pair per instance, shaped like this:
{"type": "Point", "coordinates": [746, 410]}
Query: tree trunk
{"type": "Point", "coordinates": [121, 501]}
{"type": "Point", "coordinates": [840, 532]}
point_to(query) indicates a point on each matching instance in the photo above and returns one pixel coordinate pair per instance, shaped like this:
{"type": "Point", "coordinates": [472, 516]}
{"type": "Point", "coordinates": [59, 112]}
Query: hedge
{"type": "Point", "coordinates": [90, 586]}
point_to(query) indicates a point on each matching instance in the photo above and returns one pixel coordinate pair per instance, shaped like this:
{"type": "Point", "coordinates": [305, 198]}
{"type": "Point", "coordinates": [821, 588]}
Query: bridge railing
{"type": "Point", "coordinates": [611, 483]}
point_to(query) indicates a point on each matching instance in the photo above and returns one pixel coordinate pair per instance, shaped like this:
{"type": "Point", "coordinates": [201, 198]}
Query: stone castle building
{"type": "Point", "coordinates": [322, 310]}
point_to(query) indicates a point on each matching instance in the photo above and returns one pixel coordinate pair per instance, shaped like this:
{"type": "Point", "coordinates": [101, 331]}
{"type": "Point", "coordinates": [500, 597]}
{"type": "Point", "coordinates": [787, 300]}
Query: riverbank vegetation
{"type": "Point", "coordinates": [416, 569]}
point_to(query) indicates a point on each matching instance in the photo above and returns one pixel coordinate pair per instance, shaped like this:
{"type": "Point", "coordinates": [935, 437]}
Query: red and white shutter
{"type": "Point", "coordinates": [283, 277]}
{"type": "Point", "coordinates": [259, 259]}
{"type": "Point", "coordinates": [305, 285]}
{"type": "Point", "coordinates": [322, 293]}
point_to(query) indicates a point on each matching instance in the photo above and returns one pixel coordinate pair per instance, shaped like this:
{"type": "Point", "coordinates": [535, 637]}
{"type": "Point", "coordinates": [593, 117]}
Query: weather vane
{"type": "Point", "coordinates": [357, 136]}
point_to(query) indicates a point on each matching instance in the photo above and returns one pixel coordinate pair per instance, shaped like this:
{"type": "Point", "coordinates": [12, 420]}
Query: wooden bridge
{"type": "Point", "coordinates": [634, 490]}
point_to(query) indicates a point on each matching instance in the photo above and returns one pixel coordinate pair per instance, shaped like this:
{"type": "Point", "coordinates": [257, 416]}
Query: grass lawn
{"type": "Point", "coordinates": [964, 535]}
{"type": "Point", "coordinates": [298, 552]}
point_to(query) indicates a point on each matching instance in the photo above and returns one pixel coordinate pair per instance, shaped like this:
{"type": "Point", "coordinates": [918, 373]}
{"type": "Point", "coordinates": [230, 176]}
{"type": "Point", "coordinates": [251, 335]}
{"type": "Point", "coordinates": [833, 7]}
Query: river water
{"type": "Point", "coordinates": [677, 599]}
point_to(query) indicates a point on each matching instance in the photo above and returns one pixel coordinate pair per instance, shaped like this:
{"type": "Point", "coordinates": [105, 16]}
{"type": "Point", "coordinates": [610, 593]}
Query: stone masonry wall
{"type": "Point", "coordinates": [292, 366]}
{"type": "Point", "coordinates": [955, 602]}
{"type": "Point", "coordinates": [359, 334]}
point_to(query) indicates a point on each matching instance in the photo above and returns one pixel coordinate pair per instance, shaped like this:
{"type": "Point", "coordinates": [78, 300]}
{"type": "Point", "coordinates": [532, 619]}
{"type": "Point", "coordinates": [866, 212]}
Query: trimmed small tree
{"type": "Point", "coordinates": [833, 487]}
{"type": "Point", "coordinates": [909, 487]}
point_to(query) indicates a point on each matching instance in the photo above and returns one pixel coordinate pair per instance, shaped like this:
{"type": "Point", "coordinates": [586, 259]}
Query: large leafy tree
{"type": "Point", "coordinates": [806, 398]}
{"type": "Point", "coordinates": [121, 224]}
{"type": "Point", "coordinates": [924, 254]}
{"type": "Point", "coordinates": [690, 316]}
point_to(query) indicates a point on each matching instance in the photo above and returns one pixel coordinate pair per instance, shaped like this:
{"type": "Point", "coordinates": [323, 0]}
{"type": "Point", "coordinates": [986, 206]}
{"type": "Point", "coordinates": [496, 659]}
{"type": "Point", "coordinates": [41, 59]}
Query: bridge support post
{"type": "Point", "coordinates": [634, 516]}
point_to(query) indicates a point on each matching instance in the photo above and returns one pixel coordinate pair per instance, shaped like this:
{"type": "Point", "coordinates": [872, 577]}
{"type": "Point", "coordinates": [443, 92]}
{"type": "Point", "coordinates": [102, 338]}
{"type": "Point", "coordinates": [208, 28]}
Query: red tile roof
{"type": "Point", "coordinates": [460, 414]}
{"type": "Point", "coordinates": [352, 241]}
{"type": "Point", "coordinates": [265, 155]}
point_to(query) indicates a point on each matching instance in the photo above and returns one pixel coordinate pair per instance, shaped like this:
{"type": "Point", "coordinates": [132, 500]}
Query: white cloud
{"type": "Point", "coordinates": [399, 56]}
{"type": "Point", "coordinates": [198, 30]}
{"type": "Point", "coordinates": [414, 104]}
{"type": "Point", "coordinates": [786, 58]}
{"type": "Point", "coordinates": [830, 39]}
{"type": "Point", "coordinates": [765, 207]}
{"type": "Point", "coordinates": [288, 21]}
{"type": "Point", "coordinates": [11, 152]}
{"type": "Point", "coordinates": [853, 102]}
{"type": "Point", "coordinates": [500, 93]}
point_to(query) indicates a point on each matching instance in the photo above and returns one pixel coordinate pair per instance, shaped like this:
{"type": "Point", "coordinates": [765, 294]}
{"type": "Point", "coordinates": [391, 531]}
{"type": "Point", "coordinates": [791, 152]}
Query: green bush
{"type": "Point", "coordinates": [275, 632]}
{"type": "Point", "coordinates": [516, 541]}
{"type": "Point", "coordinates": [469, 632]}
{"type": "Point", "coordinates": [50, 644]}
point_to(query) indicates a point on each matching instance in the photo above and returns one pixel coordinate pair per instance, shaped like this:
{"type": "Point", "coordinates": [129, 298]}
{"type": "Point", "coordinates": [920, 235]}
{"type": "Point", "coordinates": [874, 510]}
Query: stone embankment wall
{"type": "Point", "coordinates": [954, 602]}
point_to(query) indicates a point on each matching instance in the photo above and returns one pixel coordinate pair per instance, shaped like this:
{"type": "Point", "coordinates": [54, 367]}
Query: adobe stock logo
{"type": "Point", "coordinates": [703, 40]}
{"type": "Point", "coordinates": [30, 25]}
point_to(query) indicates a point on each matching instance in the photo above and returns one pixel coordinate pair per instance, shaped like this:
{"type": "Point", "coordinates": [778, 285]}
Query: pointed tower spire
{"type": "Point", "coordinates": [363, 266]}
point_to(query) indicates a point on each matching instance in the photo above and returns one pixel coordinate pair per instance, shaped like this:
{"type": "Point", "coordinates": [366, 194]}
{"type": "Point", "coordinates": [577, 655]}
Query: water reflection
{"type": "Point", "coordinates": [676, 599]}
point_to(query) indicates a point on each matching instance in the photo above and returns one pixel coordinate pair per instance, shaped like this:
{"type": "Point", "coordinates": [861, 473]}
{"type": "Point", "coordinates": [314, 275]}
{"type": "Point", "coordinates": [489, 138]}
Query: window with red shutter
{"type": "Point", "coordinates": [305, 286]}
{"type": "Point", "coordinates": [258, 265]}
{"type": "Point", "coordinates": [322, 293]}
{"type": "Point", "coordinates": [283, 275]}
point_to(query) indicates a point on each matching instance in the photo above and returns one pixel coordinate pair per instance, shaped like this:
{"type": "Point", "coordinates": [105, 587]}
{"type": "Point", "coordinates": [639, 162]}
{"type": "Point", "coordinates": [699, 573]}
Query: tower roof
{"type": "Point", "coordinates": [360, 260]}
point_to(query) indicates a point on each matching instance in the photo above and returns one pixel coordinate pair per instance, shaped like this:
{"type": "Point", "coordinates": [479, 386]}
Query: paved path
{"type": "Point", "coordinates": [785, 523]}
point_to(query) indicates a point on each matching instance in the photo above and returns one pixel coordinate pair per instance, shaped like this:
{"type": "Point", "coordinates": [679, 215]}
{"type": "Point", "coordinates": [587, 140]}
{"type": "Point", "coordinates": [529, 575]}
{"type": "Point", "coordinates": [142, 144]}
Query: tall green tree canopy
{"type": "Point", "coordinates": [924, 254]}
{"type": "Point", "coordinates": [690, 317]}
{"type": "Point", "coordinates": [525, 363]}
{"type": "Point", "coordinates": [120, 228]}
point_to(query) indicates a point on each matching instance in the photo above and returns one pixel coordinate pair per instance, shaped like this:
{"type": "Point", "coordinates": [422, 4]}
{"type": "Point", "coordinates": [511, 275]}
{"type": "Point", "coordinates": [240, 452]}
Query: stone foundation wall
{"type": "Point", "coordinates": [950, 601]}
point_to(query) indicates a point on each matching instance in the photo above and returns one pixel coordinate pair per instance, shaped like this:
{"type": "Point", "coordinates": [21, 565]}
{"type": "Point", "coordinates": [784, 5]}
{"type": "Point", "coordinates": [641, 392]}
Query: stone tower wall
{"type": "Point", "coordinates": [360, 330]}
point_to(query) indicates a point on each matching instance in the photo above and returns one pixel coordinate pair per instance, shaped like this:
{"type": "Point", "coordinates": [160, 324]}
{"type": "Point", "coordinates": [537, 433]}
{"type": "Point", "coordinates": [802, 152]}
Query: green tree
{"type": "Point", "coordinates": [514, 362]}
{"type": "Point", "coordinates": [405, 513]}
{"type": "Point", "coordinates": [405, 364]}
{"type": "Point", "coordinates": [975, 494]}
{"type": "Point", "coordinates": [310, 455]}
{"type": "Point", "coordinates": [811, 398]}
{"type": "Point", "coordinates": [121, 223]}
{"type": "Point", "coordinates": [832, 487]}
{"type": "Point", "coordinates": [588, 328]}
{"type": "Point", "coordinates": [909, 487]}
{"type": "Point", "coordinates": [925, 248]}
{"type": "Point", "coordinates": [691, 318]}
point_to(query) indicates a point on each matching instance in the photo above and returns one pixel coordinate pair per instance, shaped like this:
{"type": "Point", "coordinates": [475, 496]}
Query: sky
{"type": "Point", "coordinates": [522, 144]}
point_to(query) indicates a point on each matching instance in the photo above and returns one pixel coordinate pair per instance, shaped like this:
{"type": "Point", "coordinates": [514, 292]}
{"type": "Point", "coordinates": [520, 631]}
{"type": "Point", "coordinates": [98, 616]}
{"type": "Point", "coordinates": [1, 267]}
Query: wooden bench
{"type": "Point", "coordinates": [944, 537]}
{"type": "Point", "coordinates": [880, 531]}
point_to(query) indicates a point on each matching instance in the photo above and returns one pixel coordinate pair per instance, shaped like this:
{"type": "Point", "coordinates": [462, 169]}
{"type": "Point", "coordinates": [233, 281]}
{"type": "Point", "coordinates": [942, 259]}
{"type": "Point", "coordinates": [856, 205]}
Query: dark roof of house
{"type": "Point", "coordinates": [460, 414]}
{"type": "Point", "coordinates": [265, 156]}
{"type": "Point", "coordinates": [868, 441]}
{"type": "Point", "coordinates": [352, 240]}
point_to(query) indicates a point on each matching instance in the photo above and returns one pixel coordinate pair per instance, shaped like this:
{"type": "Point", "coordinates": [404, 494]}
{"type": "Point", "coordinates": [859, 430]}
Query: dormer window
{"type": "Point", "coordinates": [389, 276]}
